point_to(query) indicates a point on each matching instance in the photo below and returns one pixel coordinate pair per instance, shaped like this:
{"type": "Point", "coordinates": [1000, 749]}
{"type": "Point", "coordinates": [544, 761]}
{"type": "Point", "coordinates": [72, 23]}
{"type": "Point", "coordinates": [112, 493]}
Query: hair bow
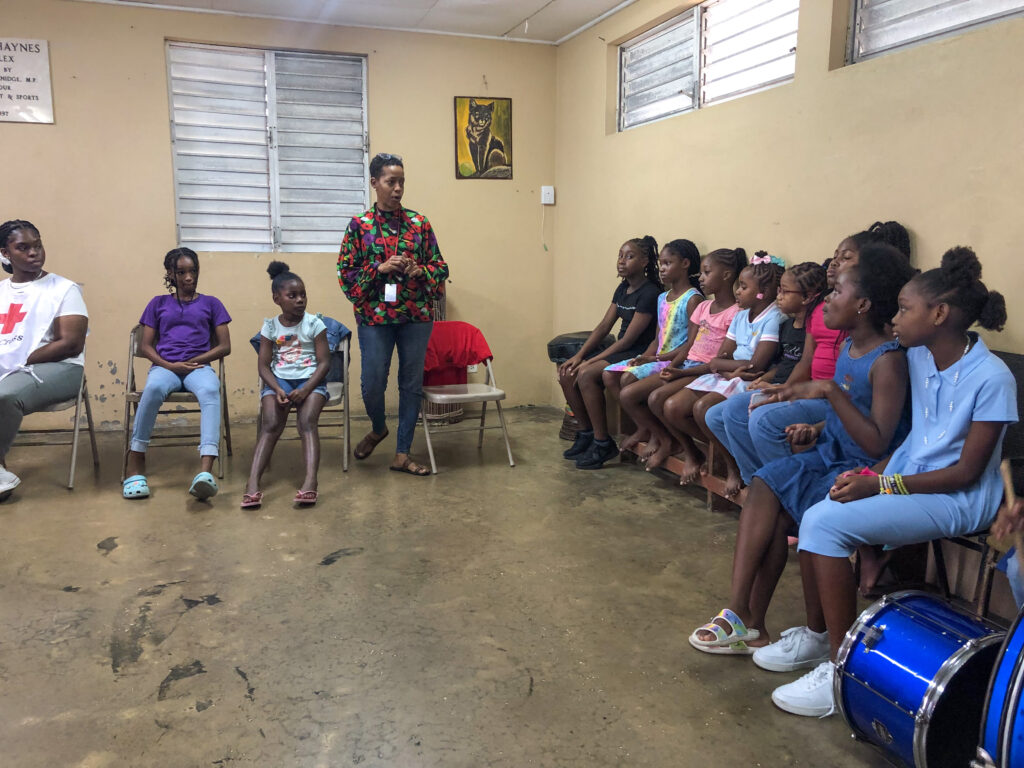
{"type": "Point", "coordinates": [766, 259]}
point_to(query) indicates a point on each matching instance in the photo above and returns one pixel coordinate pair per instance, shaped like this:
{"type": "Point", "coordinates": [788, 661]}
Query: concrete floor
{"type": "Point", "coordinates": [488, 616]}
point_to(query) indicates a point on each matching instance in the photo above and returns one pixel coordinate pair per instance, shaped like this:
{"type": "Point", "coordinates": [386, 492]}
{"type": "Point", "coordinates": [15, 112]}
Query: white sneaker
{"type": "Point", "coordinates": [811, 695]}
{"type": "Point", "coordinates": [797, 648]}
{"type": "Point", "coordinates": [8, 480]}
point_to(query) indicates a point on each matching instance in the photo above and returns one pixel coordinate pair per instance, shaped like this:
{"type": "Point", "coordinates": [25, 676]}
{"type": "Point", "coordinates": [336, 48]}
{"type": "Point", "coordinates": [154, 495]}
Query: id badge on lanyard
{"type": "Point", "coordinates": [390, 289]}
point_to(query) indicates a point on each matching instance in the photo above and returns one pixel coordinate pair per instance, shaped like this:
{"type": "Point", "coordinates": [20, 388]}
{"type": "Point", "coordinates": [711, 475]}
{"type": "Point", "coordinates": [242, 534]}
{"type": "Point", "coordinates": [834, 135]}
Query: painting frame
{"type": "Point", "coordinates": [487, 142]}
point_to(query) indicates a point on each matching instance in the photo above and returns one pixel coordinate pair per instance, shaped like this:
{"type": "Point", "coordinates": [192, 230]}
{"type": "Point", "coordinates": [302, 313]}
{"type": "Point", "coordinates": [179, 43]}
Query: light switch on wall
{"type": "Point", "coordinates": [547, 195]}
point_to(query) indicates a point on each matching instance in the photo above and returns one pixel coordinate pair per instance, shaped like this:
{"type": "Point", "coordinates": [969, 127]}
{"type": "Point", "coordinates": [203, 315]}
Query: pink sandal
{"type": "Point", "coordinates": [306, 498]}
{"type": "Point", "coordinates": [250, 500]}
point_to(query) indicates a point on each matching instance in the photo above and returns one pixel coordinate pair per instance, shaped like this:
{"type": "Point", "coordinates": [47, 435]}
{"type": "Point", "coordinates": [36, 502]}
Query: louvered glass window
{"type": "Point", "coordinates": [880, 26]}
{"type": "Point", "coordinates": [719, 50]}
{"type": "Point", "coordinates": [746, 45]}
{"type": "Point", "coordinates": [269, 147]}
{"type": "Point", "coordinates": [658, 72]}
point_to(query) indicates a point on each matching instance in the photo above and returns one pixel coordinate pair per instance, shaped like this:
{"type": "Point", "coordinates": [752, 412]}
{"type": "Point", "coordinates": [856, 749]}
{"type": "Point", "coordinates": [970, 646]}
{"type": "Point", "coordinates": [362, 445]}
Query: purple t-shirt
{"type": "Point", "coordinates": [184, 330]}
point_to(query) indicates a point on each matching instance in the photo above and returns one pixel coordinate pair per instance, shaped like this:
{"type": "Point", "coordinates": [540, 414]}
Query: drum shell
{"type": "Point", "coordinates": [898, 661]}
{"type": "Point", "coordinates": [1002, 726]}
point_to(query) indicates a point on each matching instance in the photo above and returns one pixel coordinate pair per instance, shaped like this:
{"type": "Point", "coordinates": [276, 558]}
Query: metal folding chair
{"type": "Point", "coordinates": [77, 402]}
{"type": "Point", "coordinates": [471, 392]}
{"type": "Point", "coordinates": [133, 395]}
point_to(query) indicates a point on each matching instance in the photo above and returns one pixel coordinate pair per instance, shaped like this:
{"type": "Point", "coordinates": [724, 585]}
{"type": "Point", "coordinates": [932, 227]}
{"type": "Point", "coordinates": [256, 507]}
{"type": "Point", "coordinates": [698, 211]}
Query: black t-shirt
{"type": "Point", "coordinates": [791, 347]}
{"type": "Point", "coordinates": [645, 300]}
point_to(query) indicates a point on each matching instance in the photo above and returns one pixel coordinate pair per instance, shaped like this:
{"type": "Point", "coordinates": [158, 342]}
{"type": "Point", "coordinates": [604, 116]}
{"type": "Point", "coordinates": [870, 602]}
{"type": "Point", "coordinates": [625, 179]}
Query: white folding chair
{"type": "Point", "coordinates": [133, 395]}
{"type": "Point", "coordinates": [77, 402]}
{"type": "Point", "coordinates": [471, 392]}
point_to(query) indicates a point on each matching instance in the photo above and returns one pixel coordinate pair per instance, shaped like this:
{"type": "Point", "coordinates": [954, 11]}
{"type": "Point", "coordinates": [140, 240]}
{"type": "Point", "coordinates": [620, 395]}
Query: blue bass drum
{"type": "Point", "coordinates": [1002, 725]}
{"type": "Point", "coordinates": [911, 676]}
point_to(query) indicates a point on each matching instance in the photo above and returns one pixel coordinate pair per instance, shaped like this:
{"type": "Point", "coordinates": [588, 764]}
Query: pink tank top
{"type": "Point", "coordinates": [827, 345]}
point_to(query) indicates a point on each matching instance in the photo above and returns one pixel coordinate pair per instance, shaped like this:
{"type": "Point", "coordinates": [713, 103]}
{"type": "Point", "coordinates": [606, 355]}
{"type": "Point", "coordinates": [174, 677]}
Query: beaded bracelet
{"type": "Point", "coordinates": [900, 486]}
{"type": "Point", "coordinates": [890, 485]}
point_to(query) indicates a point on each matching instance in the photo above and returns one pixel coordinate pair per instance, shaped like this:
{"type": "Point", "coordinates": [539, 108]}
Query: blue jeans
{"type": "Point", "coordinates": [160, 382]}
{"type": "Point", "coordinates": [376, 346]}
{"type": "Point", "coordinates": [759, 437]}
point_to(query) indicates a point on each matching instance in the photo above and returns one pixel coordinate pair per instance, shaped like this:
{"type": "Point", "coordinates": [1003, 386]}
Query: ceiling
{"type": "Point", "coordinates": [542, 21]}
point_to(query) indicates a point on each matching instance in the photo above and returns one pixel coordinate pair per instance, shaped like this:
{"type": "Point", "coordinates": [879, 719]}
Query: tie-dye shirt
{"type": "Point", "coordinates": [673, 331]}
{"type": "Point", "coordinates": [370, 240]}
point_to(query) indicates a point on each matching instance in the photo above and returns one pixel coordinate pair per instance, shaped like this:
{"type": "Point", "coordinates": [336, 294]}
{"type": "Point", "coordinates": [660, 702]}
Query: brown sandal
{"type": "Point", "coordinates": [365, 446]}
{"type": "Point", "coordinates": [410, 467]}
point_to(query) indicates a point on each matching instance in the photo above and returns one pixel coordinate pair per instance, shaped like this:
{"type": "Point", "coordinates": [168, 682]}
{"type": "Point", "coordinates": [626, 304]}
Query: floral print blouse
{"type": "Point", "coordinates": [369, 241]}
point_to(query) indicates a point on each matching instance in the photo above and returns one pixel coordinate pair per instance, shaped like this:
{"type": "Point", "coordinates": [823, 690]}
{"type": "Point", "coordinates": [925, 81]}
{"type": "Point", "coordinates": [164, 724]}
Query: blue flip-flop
{"type": "Point", "coordinates": [203, 486]}
{"type": "Point", "coordinates": [135, 487]}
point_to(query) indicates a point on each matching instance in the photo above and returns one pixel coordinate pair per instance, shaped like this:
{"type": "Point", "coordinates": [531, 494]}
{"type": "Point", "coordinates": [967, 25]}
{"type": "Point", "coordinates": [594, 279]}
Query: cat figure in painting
{"type": "Point", "coordinates": [486, 149]}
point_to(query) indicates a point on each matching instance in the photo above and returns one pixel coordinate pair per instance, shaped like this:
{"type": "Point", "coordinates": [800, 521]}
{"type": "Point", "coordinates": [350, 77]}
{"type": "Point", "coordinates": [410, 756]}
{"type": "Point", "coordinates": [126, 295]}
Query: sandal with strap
{"type": "Point", "coordinates": [305, 498]}
{"type": "Point", "coordinates": [410, 467]}
{"type": "Point", "coordinates": [731, 641]}
{"type": "Point", "coordinates": [251, 500]}
{"type": "Point", "coordinates": [135, 487]}
{"type": "Point", "coordinates": [365, 446]}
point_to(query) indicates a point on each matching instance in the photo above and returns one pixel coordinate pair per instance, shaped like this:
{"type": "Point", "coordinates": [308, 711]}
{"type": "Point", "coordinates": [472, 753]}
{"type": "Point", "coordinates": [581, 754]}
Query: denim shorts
{"type": "Point", "coordinates": [290, 385]}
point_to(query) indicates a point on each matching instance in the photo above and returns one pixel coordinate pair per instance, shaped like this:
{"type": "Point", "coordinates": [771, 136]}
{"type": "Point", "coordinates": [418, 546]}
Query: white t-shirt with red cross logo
{"type": "Point", "coordinates": [27, 312]}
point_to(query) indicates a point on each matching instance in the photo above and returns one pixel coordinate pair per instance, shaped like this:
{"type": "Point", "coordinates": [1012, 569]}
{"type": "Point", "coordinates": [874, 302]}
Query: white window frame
{"type": "Point", "coordinates": [276, 235]}
{"type": "Point", "coordinates": [703, 59]}
{"type": "Point", "coordinates": [861, 47]}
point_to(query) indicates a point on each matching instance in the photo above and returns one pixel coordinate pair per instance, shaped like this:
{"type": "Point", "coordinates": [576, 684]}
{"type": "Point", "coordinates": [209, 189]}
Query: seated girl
{"type": "Point", "coordinates": [182, 333]}
{"type": "Point", "coordinates": [867, 420]}
{"type": "Point", "coordinates": [293, 364]}
{"type": "Point", "coordinates": [732, 421]}
{"type": "Point", "coordinates": [769, 418]}
{"type": "Point", "coordinates": [635, 303]}
{"type": "Point", "coordinates": [707, 325]}
{"type": "Point", "coordinates": [942, 481]}
{"type": "Point", "coordinates": [679, 269]}
{"type": "Point", "coordinates": [43, 322]}
{"type": "Point", "coordinates": [749, 348]}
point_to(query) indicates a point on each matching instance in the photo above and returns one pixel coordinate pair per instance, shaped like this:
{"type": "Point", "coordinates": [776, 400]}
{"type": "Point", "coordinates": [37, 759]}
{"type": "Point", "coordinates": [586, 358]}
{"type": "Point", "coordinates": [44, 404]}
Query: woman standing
{"type": "Point", "coordinates": [43, 322]}
{"type": "Point", "coordinates": [390, 267]}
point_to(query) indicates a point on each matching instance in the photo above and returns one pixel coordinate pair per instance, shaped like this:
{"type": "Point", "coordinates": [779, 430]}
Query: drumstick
{"type": "Point", "coordinates": [1011, 497]}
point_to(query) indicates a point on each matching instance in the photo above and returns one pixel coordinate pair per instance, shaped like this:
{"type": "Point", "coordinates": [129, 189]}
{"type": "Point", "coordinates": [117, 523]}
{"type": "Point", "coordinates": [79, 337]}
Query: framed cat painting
{"type": "Point", "coordinates": [483, 138]}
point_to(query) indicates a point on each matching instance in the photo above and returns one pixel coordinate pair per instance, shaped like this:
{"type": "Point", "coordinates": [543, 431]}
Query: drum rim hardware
{"type": "Point", "coordinates": [863, 629]}
{"type": "Point", "coordinates": [1011, 699]}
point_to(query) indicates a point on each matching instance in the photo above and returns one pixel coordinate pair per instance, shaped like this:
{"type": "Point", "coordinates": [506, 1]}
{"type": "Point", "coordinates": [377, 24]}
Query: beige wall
{"type": "Point", "coordinates": [930, 136]}
{"type": "Point", "coordinates": [98, 183]}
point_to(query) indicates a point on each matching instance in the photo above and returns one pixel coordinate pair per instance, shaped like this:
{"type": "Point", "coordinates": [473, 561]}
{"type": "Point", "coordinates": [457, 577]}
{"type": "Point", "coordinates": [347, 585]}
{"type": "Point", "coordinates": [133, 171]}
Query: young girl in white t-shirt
{"type": "Point", "coordinates": [293, 363]}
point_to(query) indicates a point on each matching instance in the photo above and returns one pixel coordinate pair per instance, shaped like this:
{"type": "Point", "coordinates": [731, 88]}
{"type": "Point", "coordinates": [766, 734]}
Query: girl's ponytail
{"type": "Point", "coordinates": [993, 313]}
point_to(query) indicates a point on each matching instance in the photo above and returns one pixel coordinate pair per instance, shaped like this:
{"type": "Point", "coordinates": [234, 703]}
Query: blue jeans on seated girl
{"type": "Point", "coordinates": [160, 382]}
{"type": "Point", "coordinates": [376, 346]}
{"type": "Point", "coordinates": [759, 437]}
{"type": "Point", "coordinates": [290, 385]}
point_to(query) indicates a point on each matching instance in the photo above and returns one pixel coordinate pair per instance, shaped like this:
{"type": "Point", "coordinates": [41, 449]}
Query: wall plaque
{"type": "Point", "coordinates": [25, 95]}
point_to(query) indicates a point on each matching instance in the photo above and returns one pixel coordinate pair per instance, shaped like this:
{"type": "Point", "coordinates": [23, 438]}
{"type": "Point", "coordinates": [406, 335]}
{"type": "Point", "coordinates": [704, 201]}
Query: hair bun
{"type": "Point", "coordinates": [960, 264]}
{"type": "Point", "coordinates": [276, 268]}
